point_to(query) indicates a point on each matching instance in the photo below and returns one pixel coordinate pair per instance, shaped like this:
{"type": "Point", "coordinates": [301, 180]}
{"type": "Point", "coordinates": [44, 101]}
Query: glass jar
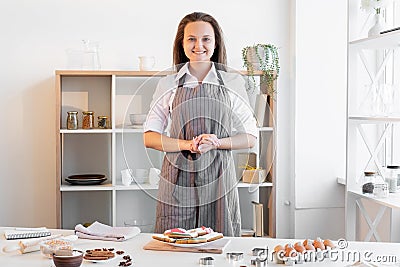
{"type": "Point", "coordinates": [381, 190]}
{"type": "Point", "coordinates": [72, 120]}
{"type": "Point", "coordinates": [88, 120]}
{"type": "Point", "coordinates": [103, 122]}
{"type": "Point", "coordinates": [393, 172]}
{"type": "Point", "coordinates": [368, 182]}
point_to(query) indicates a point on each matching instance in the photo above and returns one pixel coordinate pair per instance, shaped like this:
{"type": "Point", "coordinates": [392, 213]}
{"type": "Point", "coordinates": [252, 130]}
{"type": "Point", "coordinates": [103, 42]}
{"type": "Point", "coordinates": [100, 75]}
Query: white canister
{"type": "Point", "coordinates": [393, 171]}
{"type": "Point", "coordinates": [392, 184]}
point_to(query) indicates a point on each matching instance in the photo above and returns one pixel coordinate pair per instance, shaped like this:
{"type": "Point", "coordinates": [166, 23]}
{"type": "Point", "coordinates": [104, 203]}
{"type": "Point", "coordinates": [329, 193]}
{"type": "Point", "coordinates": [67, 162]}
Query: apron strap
{"type": "Point", "coordinates": [182, 80]}
{"type": "Point", "coordinates": [221, 82]}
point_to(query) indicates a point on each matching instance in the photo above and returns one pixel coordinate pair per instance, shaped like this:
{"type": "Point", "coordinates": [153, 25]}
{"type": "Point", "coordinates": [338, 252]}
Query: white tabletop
{"type": "Point", "coordinates": [134, 248]}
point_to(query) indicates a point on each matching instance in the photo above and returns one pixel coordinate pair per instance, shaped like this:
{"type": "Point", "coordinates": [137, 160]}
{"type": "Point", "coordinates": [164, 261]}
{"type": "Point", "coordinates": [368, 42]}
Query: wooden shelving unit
{"type": "Point", "coordinates": [112, 93]}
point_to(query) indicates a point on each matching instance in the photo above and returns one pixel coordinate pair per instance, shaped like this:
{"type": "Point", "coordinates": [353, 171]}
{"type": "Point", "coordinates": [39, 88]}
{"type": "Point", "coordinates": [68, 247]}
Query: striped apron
{"type": "Point", "coordinates": [199, 189]}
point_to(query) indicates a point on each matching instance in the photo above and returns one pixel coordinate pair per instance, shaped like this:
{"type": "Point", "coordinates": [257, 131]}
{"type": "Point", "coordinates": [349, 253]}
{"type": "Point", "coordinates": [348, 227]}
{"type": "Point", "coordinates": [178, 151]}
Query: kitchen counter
{"type": "Point", "coordinates": [377, 252]}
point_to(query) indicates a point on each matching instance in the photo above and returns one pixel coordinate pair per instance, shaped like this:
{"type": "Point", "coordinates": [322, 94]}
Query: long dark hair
{"type": "Point", "coordinates": [219, 55]}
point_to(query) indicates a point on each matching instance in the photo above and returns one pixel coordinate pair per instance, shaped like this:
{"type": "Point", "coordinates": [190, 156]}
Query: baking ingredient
{"type": "Point", "coordinates": [299, 247]}
{"type": "Point", "coordinates": [88, 120]}
{"type": "Point", "coordinates": [368, 188]}
{"type": "Point", "coordinates": [308, 242]}
{"type": "Point", "coordinates": [318, 243]}
{"type": "Point", "coordinates": [72, 120]}
{"type": "Point", "coordinates": [329, 243]}
{"type": "Point", "coordinates": [290, 251]}
{"type": "Point", "coordinates": [278, 248]}
{"type": "Point", "coordinates": [102, 122]}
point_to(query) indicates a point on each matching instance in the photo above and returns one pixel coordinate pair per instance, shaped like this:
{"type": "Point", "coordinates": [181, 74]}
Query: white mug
{"type": "Point", "coordinates": [146, 62]}
{"type": "Point", "coordinates": [126, 176]}
{"type": "Point", "coordinates": [141, 175]}
{"type": "Point", "coordinates": [154, 176]}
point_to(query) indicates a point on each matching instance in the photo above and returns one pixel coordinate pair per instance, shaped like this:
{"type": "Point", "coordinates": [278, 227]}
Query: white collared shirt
{"type": "Point", "coordinates": [161, 105]}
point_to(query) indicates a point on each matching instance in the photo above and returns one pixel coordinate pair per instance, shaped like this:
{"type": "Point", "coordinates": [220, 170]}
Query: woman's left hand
{"type": "Point", "coordinates": [207, 142]}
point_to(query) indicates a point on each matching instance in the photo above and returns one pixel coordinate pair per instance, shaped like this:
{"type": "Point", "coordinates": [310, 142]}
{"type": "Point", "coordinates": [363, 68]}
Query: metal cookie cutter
{"type": "Point", "coordinates": [259, 251]}
{"type": "Point", "coordinates": [259, 263]}
{"type": "Point", "coordinates": [234, 256]}
{"type": "Point", "coordinates": [207, 261]}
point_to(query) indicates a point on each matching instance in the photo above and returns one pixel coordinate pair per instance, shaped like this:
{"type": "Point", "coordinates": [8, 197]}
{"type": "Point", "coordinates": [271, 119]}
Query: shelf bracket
{"type": "Point", "coordinates": [372, 225]}
{"type": "Point", "coordinates": [374, 152]}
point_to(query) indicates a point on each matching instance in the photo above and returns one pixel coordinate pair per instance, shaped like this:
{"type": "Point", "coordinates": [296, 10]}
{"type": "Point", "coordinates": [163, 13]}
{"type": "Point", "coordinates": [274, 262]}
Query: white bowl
{"type": "Point", "coordinates": [49, 247]}
{"type": "Point", "coordinates": [137, 119]}
{"type": "Point", "coordinates": [146, 226]}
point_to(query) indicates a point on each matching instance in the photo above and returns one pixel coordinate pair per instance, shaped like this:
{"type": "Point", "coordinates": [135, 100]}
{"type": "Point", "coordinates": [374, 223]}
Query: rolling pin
{"type": "Point", "coordinates": [30, 245]}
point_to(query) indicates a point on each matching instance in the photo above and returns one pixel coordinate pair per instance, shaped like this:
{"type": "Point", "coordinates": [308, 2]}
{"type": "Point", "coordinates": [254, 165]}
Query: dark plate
{"type": "Point", "coordinates": [86, 176]}
{"type": "Point", "coordinates": [85, 182]}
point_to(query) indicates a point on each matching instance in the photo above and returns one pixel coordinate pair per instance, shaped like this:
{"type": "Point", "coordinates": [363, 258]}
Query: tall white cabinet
{"type": "Point", "coordinates": [373, 124]}
{"type": "Point", "coordinates": [116, 94]}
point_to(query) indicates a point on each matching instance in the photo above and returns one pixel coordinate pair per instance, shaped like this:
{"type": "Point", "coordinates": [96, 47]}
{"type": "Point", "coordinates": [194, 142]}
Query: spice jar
{"type": "Point", "coordinates": [88, 120]}
{"type": "Point", "coordinates": [72, 120]}
{"type": "Point", "coordinates": [368, 182]}
{"type": "Point", "coordinates": [102, 122]}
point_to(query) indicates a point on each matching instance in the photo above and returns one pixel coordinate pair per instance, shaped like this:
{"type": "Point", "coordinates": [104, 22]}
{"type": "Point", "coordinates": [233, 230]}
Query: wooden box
{"type": "Point", "coordinates": [254, 176]}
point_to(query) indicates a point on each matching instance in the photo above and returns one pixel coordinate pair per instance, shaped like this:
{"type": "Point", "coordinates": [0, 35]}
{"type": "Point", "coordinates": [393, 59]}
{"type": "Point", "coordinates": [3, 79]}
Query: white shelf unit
{"type": "Point", "coordinates": [116, 94]}
{"type": "Point", "coordinates": [373, 118]}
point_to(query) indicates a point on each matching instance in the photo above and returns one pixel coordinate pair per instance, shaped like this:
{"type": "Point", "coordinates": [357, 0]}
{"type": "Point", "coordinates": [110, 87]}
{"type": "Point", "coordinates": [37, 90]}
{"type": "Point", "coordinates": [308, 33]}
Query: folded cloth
{"type": "Point", "coordinates": [99, 231]}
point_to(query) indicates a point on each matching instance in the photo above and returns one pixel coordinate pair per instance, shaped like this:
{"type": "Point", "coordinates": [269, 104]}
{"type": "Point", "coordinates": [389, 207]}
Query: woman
{"type": "Point", "coordinates": [203, 104]}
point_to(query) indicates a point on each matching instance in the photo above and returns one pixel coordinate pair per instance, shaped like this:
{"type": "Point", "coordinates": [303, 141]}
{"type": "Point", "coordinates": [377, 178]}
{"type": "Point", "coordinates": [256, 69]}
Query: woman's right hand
{"type": "Point", "coordinates": [194, 145]}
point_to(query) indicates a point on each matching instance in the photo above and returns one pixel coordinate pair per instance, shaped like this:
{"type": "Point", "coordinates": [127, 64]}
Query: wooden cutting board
{"type": "Point", "coordinates": [215, 247]}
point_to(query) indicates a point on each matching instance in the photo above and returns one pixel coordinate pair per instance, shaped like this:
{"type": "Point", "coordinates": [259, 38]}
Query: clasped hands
{"type": "Point", "coordinates": [204, 143]}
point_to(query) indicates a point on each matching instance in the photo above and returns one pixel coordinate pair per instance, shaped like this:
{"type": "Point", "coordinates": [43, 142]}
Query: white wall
{"type": "Point", "coordinates": [35, 35]}
{"type": "Point", "coordinates": [320, 117]}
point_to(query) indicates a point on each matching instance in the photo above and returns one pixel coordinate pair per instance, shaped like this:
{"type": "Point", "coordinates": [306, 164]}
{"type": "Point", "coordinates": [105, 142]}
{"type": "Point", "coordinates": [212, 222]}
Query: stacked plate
{"type": "Point", "coordinates": [86, 179]}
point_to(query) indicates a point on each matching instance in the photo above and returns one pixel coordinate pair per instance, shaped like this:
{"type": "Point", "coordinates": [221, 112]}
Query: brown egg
{"type": "Point", "coordinates": [329, 243]}
{"type": "Point", "coordinates": [288, 245]}
{"type": "Point", "coordinates": [299, 247]}
{"type": "Point", "coordinates": [290, 251]}
{"type": "Point", "coordinates": [309, 247]}
{"type": "Point", "coordinates": [307, 241]}
{"type": "Point", "coordinates": [318, 243]}
{"type": "Point", "coordinates": [278, 248]}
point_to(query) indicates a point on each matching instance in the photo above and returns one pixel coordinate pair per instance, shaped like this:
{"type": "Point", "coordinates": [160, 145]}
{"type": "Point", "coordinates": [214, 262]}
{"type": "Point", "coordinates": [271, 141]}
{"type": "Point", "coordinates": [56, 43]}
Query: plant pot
{"type": "Point", "coordinates": [264, 58]}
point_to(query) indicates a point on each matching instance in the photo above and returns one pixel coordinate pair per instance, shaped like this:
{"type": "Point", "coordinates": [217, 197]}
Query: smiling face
{"type": "Point", "coordinates": [199, 41]}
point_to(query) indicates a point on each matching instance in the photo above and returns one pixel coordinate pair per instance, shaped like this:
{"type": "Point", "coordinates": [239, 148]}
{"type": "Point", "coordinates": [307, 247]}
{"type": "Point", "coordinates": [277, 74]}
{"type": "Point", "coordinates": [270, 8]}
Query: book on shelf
{"type": "Point", "coordinates": [21, 233]}
{"type": "Point", "coordinates": [258, 218]}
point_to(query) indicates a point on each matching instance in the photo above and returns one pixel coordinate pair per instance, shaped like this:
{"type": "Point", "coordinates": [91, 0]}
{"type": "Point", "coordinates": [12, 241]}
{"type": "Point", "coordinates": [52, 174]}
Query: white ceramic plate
{"type": "Point", "coordinates": [97, 261]}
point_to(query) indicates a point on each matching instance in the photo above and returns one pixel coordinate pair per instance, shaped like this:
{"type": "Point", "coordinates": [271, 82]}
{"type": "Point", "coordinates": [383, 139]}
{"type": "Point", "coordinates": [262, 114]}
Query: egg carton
{"type": "Point", "coordinates": [309, 256]}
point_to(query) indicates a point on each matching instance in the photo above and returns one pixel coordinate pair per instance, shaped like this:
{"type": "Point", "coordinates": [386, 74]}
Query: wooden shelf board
{"type": "Point", "coordinates": [127, 73]}
{"type": "Point", "coordinates": [265, 129]}
{"type": "Point", "coordinates": [83, 131]}
{"type": "Point", "coordinates": [128, 128]}
{"type": "Point", "coordinates": [122, 73]}
{"type": "Point", "coordinates": [246, 185]}
{"type": "Point", "coordinates": [72, 188]}
{"type": "Point", "coordinates": [133, 186]}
